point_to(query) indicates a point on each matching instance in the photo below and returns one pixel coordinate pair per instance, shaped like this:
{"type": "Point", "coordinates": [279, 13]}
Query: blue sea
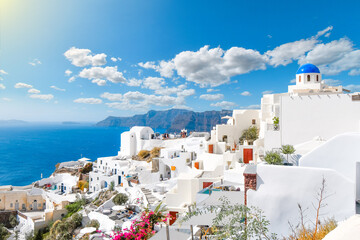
{"type": "Point", "coordinates": [29, 150]}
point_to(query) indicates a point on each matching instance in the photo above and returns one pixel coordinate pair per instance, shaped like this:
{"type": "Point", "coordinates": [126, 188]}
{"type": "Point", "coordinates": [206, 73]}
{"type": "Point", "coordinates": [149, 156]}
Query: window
{"type": "Point", "coordinates": [91, 179]}
{"type": "Point", "coordinates": [23, 207]}
{"type": "Point", "coordinates": [308, 78]}
{"type": "Point", "coordinates": [11, 205]}
{"type": "Point", "coordinates": [299, 78]}
{"type": "Point", "coordinates": [100, 161]}
{"type": "Point", "coordinates": [253, 121]}
{"type": "Point", "coordinates": [317, 78]}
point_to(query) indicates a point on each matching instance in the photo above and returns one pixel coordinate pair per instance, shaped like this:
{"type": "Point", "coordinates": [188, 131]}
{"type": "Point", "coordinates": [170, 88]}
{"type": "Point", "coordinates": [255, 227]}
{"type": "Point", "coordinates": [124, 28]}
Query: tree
{"type": "Point", "coordinates": [112, 186]}
{"type": "Point", "coordinates": [120, 199]}
{"type": "Point", "coordinates": [13, 221]}
{"type": "Point", "coordinates": [229, 222]}
{"type": "Point", "coordinates": [87, 168]}
{"type": "Point", "coordinates": [250, 134]}
{"type": "Point", "coordinates": [3, 232]}
{"type": "Point", "coordinates": [273, 158]}
{"type": "Point", "coordinates": [287, 149]}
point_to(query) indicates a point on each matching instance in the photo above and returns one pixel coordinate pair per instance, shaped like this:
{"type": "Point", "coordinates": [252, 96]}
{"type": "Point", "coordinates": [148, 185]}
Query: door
{"type": "Point", "coordinates": [248, 155]}
{"type": "Point", "coordinates": [17, 205]}
{"type": "Point", "coordinates": [119, 180]}
{"type": "Point", "coordinates": [35, 206]}
{"type": "Point", "coordinates": [173, 217]}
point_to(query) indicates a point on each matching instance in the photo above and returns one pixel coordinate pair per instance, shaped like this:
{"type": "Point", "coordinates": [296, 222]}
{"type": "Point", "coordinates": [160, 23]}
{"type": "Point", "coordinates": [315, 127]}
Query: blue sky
{"type": "Point", "coordinates": [85, 60]}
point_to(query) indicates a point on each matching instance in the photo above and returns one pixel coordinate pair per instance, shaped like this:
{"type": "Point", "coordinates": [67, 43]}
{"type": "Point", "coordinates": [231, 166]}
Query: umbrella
{"type": "Point", "coordinates": [118, 208]}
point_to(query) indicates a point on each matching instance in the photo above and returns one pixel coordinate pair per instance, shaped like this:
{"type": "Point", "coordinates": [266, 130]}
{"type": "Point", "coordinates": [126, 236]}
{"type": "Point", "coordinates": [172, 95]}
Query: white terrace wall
{"type": "Point", "coordinates": [281, 188]}
{"type": "Point", "coordinates": [304, 117]}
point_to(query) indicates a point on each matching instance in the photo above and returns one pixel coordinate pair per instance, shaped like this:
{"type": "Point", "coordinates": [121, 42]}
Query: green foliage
{"type": "Point", "coordinates": [82, 184]}
{"type": "Point", "coordinates": [4, 234]}
{"type": "Point", "coordinates": [273, 158]}
{"type": "Point", "coordinates": [120, 199]}
{"type": "Point", "coordinates": [287, 149]}
{"type": "Point", "coordinates": [87, 168]}
{"type": "Point", "coordinates": [94, 223]}
{"type": "Point", "coordinates": [250, 134]}
{"type": "Point", "coordinates": [229, 222]}
{"type": "Point", "coordinates": [13, 221]}
{"type": "Point", "coordinates": [77, 219]}
{"type": "Point", "coordinates": [276, 122]}
{"type": "Point", "coordinates": [75, 207]}
{"type": "Point", "coordinates": [112, 186]}
{"type": "Point", "coordinates": [64, 229]}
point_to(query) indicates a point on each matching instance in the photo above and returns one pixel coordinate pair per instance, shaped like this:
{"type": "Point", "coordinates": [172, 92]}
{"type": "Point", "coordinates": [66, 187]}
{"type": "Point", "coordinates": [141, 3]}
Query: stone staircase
{"type": "Point", "coordinates": [149, 196]}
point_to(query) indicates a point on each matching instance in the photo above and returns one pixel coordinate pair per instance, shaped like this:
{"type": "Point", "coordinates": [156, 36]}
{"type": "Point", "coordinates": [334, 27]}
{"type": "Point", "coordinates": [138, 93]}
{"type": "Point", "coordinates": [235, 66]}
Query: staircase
{"type": "Point", "coordinates": [149, 197]}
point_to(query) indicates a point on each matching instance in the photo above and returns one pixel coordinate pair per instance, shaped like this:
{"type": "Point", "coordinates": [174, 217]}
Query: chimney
{"type": "Point", "coordinates": [249, 180]}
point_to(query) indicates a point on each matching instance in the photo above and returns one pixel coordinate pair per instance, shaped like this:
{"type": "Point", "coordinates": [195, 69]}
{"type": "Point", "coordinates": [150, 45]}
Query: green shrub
{"type": "Point", "coordinates": [77, 219]}
{"type": "Point", "coordinates": [13, 221]}
{"type": "Point", "coordinates": [93, 223]}
{"type": "Point", "coordinates": [273, 158]}
{"type": "Point", "coordinates": [120, 199]}
{"type": "Point", "coordinates": [112, 186]}
{"type": "Point", "coordinates": [250, 135]}
{"type": "Point", "coordinates": [4, 234]}
{"type": "Point", "coordinates": [75, 207]}
{"type": "Point", "coordinates": [287, 149]}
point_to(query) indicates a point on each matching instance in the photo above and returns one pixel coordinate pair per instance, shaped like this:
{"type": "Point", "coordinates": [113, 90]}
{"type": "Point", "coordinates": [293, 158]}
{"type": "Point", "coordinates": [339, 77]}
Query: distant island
{"type": "Point", "coordinates": [12, 122]}
{"type": "Point", "coordinates": [172, 120]}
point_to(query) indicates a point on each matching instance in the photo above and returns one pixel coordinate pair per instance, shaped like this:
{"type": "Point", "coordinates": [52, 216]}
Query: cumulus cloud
{"type": "Point", "coordinates": [212, 97]}
{"type": "Point", "coordinates": [224, 105]}
{"type": "Point", "coordinates": [6, 99]}
{"type": "Point", "coordinates": [325, 32]}
{"type": "Point", "coordinates": [246, 93]}
{"type": "Point", "coordinates": [88, 100]}
{"type": "Point", "coordinates": [213, 67]}
{"type": "Point", "coordinates": [133, 82]}
{"type": "Point", "coordinates": [165, 68]}
{"type": "Point", "coordinates": [212, 90]}
{"type": "Point", "coordinates": [45, 97]}
{"type": "Point", "coordinates": [22, 85]}
{"type": "Point", "coordinates": [153, 83]}
{"type": "Point", "coordinates": [68, 72]}
{"type": "Point", "coordinates": [255, 106]}
{"type": "Point", "coordinates": [148, 65]}
{"type": "Point", "coordinates": [58, 89]}
{"type": "Point", "coordinates": [106, 73]}
{"type": "Point", "coordinates": [2, 86]}
{"type": "Point", "coordinates": [33, 90]}
{"type": "Point", "coordinates": [35, 62]}
{"type": "Point", "coordinates": [83, 57]}
{"type": "Point", "coordinates": [2, 72]}
{"type": "Point", "coordinates": [99, 82]}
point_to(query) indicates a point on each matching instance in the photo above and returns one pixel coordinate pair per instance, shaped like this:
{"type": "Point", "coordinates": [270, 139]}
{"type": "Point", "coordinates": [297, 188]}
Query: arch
{"type": "Point", "coordinates": [224, 138]}
{"type": "Point", "coordinates": [308, 78]}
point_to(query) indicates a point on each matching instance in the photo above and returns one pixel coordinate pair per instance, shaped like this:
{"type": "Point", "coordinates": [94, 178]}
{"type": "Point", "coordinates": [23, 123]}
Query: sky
{"type": "Point", "coordinates": [85, 60]}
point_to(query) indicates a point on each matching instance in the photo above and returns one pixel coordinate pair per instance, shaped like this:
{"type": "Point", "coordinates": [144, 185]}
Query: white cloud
{"type": "Point", "coordinates": [353, 87]}
{"type": "Point", "coordinates": [2, 86]}
{"type": "Point", "coordinates": [22, 85]}
{"type": "Point", "coordinates": [323, 54]}
{"type": "Point", "coordinates": [99, 82]}
{"type": "Point", "coordinates": [332, 82]}
{"type": "Point", "coordinates": [68, 72]}
{"type": "Point", "coordinates": [112, 96]}
{"type": "Point", "coordinates": [325, 32]}
{"type": "Point", "coordinates": [109, 73]}
{"type": "Point", "coordinates": [88, 100]}
{"type": "Point", "coordinates": [2, 72]}
{"type": "Point", "coordinates": [148, 65]}
{"type": "Point", "coordinates": [212, 97]}
{"type": "Point", "coordinates": [269, 36]}
{"type": "Point", "coordinates": [133, 82]}
{"type": "Point", "coordinates": [83, 57]}
{"type": "Point", "coordinates": [33, 90]}
{"type": "Point", "coordinates": [349, 62]}
{"type": "Point", "coordinates": [114, 59]}
{"type": "Point", "coordinates": [246, 93]}
{"type": "Point", "coordinates": [255, 106]}
{"type": "Point", "coordinates": [35, 62]}
{"type": "Point", "coordinates": [215, 66]}
{"type": "Point", "coordinates": [72, 79]}
{"type": "Point", "coordinates": [46, 97]}
{"type": "Point", "coordinates": [224, 105]}
{"type": "Point", "coordinates": [6, 99]}
{"type": "Point", "coordinates": [212, 90]}
{"type": "Point", "coordinates": [286, 53]}
{"type": "Point", "coordinates": [171, 90]}
{"type": "Point", "coordinates": [153, 83]}
{"type": "Point", "coordinates": [58, 89]}
{"type": "Point", "coordinates": [267, 92]}
{"type": "Point", "coordinates": [186, 93]}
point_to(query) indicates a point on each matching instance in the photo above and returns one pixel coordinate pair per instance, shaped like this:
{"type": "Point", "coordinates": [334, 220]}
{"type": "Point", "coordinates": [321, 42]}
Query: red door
{"type": "Point", "coordinates": [173, 217]}
{"type": "Point", "coordinates": [248, 155]}
{"type": "Point", "coordinates": [206, 184]}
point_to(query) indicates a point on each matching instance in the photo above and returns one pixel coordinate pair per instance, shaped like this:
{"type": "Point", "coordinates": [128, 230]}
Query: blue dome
{"type": "Point", "coordinates": [308, 68]}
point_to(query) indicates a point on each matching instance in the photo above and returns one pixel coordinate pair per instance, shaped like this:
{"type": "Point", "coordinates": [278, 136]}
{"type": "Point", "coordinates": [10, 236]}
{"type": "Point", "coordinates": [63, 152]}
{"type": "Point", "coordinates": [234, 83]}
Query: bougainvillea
{"type": "Point", "coordinates": [143, 227]}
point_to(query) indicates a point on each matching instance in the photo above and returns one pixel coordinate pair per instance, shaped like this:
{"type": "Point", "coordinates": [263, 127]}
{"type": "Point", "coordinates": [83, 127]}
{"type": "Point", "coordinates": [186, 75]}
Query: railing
{"type": "Point", "coordinates": [273, 127]}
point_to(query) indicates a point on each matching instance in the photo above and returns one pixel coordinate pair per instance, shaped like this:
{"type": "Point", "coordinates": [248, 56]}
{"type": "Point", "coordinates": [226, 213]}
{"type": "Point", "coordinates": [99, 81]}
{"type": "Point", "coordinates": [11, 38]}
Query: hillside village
{"type": "Point", "coordinates": [296, 157]}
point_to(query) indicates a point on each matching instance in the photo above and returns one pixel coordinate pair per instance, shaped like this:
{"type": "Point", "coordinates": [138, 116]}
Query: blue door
{"type": "Point", "coordinates": [119, 180]}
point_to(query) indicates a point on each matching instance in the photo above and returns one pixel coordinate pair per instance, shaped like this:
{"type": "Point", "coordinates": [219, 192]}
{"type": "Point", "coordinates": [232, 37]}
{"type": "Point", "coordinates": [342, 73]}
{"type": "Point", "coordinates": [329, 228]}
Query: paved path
{"type": "Point", "coordinates": [149, 196]}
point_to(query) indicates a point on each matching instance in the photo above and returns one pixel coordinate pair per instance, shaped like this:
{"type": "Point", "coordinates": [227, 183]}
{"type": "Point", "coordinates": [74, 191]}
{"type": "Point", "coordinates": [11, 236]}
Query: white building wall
{"type": "Point", "coordinates": [281, 188]}
{"type": "Point", "coordinates": [304, 117]}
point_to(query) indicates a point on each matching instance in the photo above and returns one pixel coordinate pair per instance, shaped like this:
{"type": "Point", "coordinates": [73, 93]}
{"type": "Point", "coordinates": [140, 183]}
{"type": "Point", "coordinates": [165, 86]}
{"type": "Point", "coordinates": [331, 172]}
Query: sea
{"type": "Point", "coordinates": [29, 151]}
